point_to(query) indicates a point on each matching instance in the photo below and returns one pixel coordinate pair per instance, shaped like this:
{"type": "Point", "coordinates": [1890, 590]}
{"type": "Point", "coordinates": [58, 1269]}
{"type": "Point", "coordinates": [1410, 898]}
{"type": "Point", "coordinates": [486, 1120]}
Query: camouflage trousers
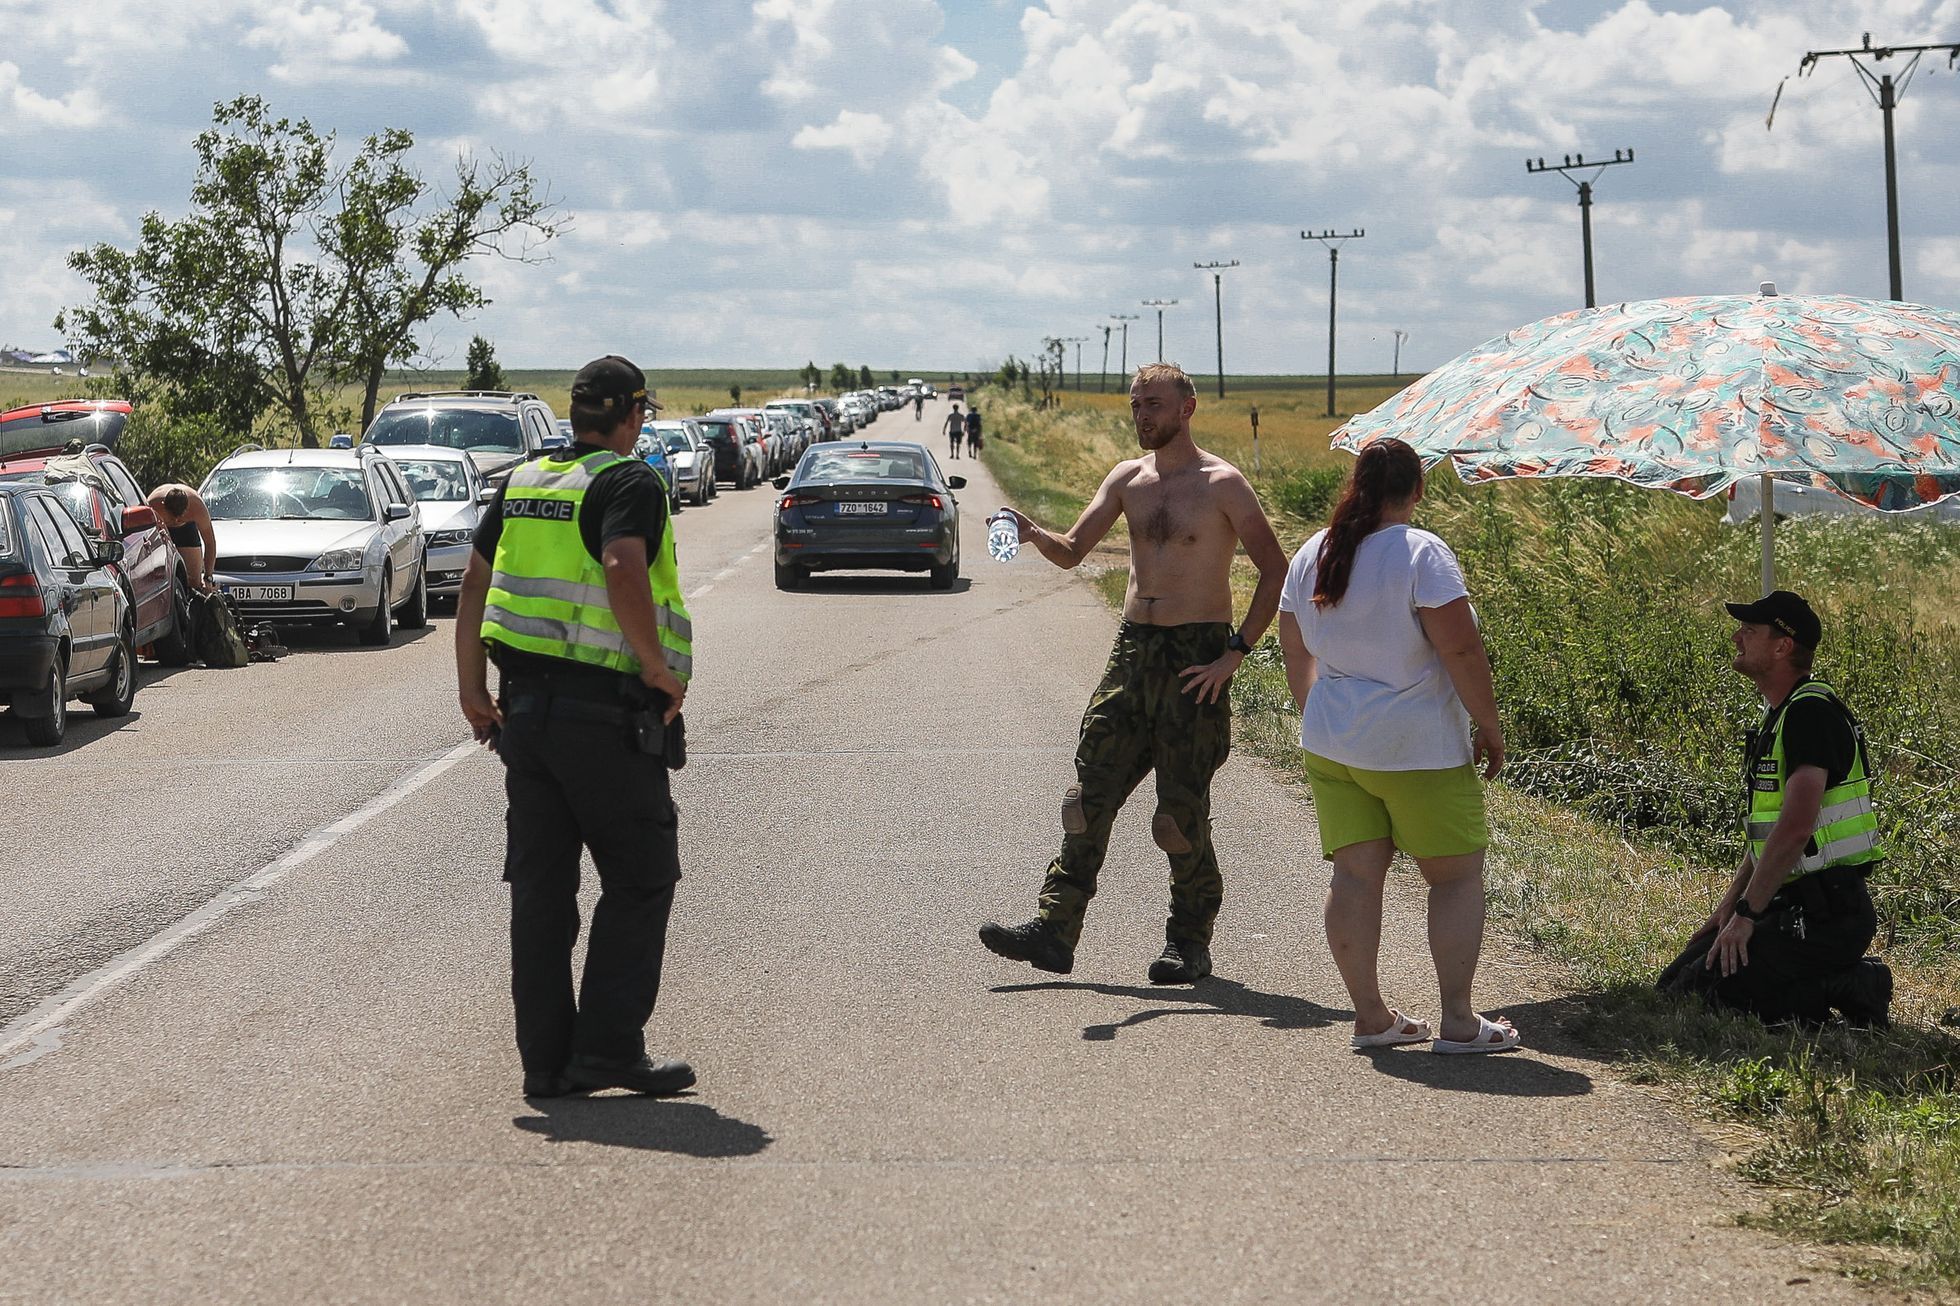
{"type": "Point", "coordinates": [1138, 721]}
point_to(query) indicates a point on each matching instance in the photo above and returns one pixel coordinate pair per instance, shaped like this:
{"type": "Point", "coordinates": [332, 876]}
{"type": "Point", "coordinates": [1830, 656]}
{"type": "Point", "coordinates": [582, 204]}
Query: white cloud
{"type": "Point", "coordinates": [318, 40]}
{"type": "Point", "coordinates": [23, 107]}
{"type": "Point", "coordinates": [864, 135]}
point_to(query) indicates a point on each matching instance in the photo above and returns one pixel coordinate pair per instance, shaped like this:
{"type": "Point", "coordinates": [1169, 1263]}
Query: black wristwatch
{"type": "Point", "coordinates": [1744, 910]}
{"type": "Point", "coordinates": [1237, 644]}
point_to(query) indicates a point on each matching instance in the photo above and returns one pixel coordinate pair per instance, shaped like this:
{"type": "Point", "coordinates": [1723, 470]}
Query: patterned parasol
{"type": "Point", "coordinates": [1858, 397]}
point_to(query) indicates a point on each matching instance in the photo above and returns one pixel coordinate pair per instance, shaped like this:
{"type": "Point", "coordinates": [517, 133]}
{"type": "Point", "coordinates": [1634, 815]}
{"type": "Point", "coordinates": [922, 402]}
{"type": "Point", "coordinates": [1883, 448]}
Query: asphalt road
{"type": "Point", "coordinates": [310, 1093]}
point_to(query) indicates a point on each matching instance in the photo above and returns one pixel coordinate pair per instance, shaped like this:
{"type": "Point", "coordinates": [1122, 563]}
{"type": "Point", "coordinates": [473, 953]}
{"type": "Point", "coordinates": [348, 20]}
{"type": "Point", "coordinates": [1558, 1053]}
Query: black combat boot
{"type": "Point", "coordinates": [545, 1083]}
{"type": "Point", "coordinates": [1863, 996]}
{"type": "Point", "coordinates": [1034, 943]}
{"type": "Point", "coordinates": [645, 1075]}
{"type": "Point", "coordinates": [1184, 961]}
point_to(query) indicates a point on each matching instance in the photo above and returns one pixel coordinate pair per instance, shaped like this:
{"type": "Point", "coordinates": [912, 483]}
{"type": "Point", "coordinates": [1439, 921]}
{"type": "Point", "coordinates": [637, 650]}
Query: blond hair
{"type": "Point", "coordinates": [1152, 372]}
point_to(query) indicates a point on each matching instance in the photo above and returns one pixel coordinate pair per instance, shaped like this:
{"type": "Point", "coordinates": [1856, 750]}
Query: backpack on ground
{"type": "Point", "coordinates": [214, 631]}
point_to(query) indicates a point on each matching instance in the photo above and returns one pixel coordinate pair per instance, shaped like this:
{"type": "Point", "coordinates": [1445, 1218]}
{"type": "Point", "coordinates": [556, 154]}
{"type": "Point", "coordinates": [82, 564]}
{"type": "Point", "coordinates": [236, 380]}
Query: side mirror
{"type": "Point", "coordinates": [956, 482]}
{"type": "Point", "coordinates": [397, 512]}
{"type": "Point", "coordinates": [140, 518]}
{"type": "Point", "coordinates": [486, 494]}
{"type": "Point", "coordinates": [782, 482]}
{"type": "Point", "coordinates": [104, 552]}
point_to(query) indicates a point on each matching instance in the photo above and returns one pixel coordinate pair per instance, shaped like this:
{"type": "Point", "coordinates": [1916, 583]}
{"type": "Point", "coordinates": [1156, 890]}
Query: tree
{"type": "Point", "coordinates": [291, 273]}
{"type": "Point", "coordinates": [735, 392]}
{"type": "Point", "coordinates": [865, 379]}
{"type": "Point", "coordinates": [842, 377]}
{"type": "Point", "coordinates": [811, 375]}
{"type": "Point", "coordinates": [894, 376]}
{"type": "Point", "coordinates": [484, 371]}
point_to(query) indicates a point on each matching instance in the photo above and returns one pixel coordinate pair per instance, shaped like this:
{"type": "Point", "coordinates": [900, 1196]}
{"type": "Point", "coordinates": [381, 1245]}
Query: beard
{"type": "Point", "coordinates": [1156, 437]}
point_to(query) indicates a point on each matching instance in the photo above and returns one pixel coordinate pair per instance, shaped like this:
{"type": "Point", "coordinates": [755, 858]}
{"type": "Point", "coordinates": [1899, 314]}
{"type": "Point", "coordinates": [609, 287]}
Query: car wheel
{"type": "Point", "coordinates": [49, 728]}
{"type": "Point", "coordinates": [942, 578]}
{"type": "Point", "coordinates": [381, 630]}
{"type": "Point", "coordinates": [174, 649]}
{"type": "Point", "coordinates": [789, 575]}
{"type": "Point", "coordinates": [415, 613]}
{"type": "Point", "coordinates": [119, 695]}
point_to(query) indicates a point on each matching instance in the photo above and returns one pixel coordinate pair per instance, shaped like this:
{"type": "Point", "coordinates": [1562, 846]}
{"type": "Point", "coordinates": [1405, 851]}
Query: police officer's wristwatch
{"type": "Point", "coordinates": [1238, 645]}
{"type": "Point", "coordinates": [1744, 910]}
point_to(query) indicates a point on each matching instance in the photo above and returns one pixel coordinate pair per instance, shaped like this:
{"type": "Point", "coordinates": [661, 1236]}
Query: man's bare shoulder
{"type": "Point", "coordinates": [1220, 475]}
{"type": "Point", "coordinates": [1124, 474]}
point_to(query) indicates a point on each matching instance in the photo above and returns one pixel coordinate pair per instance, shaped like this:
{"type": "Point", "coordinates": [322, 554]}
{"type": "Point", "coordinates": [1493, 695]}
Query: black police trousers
{"type": "Point", "coordinates": [574, 782]}
{"type": "Point", "coordinates": [1803, 956]}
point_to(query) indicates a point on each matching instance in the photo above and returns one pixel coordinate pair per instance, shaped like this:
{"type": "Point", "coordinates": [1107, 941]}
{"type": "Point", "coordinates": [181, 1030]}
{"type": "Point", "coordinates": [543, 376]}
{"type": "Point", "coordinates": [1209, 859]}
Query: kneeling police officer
{"type": "Point", "coordinates": [573, 591]}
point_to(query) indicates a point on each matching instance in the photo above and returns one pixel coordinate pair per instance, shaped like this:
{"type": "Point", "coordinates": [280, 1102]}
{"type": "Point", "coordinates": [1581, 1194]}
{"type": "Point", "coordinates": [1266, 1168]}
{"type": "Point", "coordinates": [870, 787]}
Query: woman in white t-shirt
{"type": "Point", "coordinates": [1387, 665]}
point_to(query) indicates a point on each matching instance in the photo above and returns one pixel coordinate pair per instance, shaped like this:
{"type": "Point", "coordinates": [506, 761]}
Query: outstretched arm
{"type": "Point", "coordinates": [1069, 550]}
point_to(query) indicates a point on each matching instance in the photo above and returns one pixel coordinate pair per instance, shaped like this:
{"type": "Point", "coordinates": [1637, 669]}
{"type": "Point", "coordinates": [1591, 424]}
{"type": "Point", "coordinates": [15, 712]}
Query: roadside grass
{"type": "Point", "coordinates": [1614, 831]}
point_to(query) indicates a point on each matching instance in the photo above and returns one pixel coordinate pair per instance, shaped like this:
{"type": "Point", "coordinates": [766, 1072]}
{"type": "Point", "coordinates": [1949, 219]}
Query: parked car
{"type": "Point", "coordinates": [105, 501]}
{"type": "Point", "coordinates": [862, 505]}
{"type": "Point", "coordinates": [313, 536]}
{"type": "Point", "coordinates": [451, 497]}
{"type": "Point", "coordinates": [45, 427]}
{"type": "Point", "coordinates": [773, 447]}
{"type": "Point", "coordinates": [738, 458]}
{"type": "Point", "coordinates": [497, 428]}
{"type": "Point", "coordinates": [66, 629]}
{"type": "Point", "coordinates": [955, 394]}
{"type": "Point", "coordinates": [687, 450]}
{"type": "Point", "coordinates": [652, 451]}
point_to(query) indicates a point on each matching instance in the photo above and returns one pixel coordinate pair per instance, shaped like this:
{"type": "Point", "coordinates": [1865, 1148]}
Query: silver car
{"type": "Point", "coordinates": [319, 536]}
{"type": "Point", "coordinates": [451, 496]}
{"type": "Point", "coordinates": [688, 454]}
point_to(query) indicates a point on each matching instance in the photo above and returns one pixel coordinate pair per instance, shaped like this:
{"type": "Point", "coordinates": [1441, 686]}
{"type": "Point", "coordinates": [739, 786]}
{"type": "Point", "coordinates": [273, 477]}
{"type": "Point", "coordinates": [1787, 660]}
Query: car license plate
{"type": "Point", "coordinates": [866, 509]}
{"type": "Point", "coordinates": [261, 593]}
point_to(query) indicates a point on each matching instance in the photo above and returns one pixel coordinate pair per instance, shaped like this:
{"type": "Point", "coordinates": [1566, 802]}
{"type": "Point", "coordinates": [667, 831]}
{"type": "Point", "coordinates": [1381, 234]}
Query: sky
{"type": "Point", "coordinates": [933, 186]}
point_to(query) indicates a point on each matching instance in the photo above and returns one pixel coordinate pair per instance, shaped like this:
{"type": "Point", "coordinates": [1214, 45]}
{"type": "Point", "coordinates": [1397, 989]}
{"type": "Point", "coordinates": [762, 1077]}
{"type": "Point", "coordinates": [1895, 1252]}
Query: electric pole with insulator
{"type": "Point", "coordinates": [1218, 293]}
{"type": "Point", "coordinates": [1333, 240]}
{"type": "Point", "coordinates": [1125, 319]}
{"type": "Point", "coordinates": [1077, 342]}
{"type": "Point", "coordinates": [1160, 305]}
{"type": "Point", "coordinates": [1102, 377]}
{"type": "Point", "coordinates": [1400, 336]}
{"type": "Point", "coordinates": [1885, 90]}
{"type": "Point", "coordinates": [1577, 163]}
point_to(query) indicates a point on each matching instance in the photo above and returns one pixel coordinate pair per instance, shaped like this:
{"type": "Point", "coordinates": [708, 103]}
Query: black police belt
{"type": "Point", "coordinates": [629, 705]}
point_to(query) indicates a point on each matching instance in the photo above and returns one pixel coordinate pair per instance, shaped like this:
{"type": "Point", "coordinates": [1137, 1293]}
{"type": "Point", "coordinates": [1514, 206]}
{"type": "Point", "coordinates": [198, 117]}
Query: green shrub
{"type": "Point", "coordinates": [159, 447]}
{"type": "Point", "coordinates": [1308, 492]}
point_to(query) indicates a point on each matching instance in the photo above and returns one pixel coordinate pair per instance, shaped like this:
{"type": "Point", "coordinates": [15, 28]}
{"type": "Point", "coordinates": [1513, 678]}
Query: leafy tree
{"type": "Point", "coordinates": [811, 375]}
{"type": "Point", "coordinates": [865, 379]}
{"type": "Point", "coordinates": [484, 371]}
{"type": "Point", "coordinates": [842, 377]}
{"type": "Point", "coordinates": [895, 376]}
{"type": "Point", "coordinates": [292, 273]}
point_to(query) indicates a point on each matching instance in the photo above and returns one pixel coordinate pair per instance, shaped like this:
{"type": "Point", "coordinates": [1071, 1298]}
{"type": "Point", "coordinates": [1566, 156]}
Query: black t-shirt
{"type": "Point", "coordinates": [973, 421]}
{"type": "Point", "coordinates": [625, 500]}
{"type": "Point", "coordinates": [1816, 732]}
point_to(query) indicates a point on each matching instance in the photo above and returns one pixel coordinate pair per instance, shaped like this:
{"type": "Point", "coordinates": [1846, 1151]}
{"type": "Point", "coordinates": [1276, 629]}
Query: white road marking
{"type": "Point", "coordinates": [34, 1035]}
{"type": "Point", "coordinates": [727, 571]}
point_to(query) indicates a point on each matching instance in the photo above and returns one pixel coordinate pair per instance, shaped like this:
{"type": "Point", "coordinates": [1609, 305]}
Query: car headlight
{"type": "Point", "coordinates": [340, 560]}
{"type": "Point", "coordinates": [443, 539]}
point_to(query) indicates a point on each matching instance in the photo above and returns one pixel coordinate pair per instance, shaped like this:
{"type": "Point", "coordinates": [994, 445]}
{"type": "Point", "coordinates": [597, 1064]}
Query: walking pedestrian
{"type": "Point", "coordinates": [955, 431]}
{"type": "Point", "coordinates": [918, 406]}
{"type": "Point", "coordinates": [973, 431]}
{"type": "Point", "coordinates": [572, 589]}
{"type": "Point", "coordinates": [1387, 666]}
{"type": "Point", "coordinates": [1788, 939]}
{"type": "Point", "coordinates": [1164, 701]}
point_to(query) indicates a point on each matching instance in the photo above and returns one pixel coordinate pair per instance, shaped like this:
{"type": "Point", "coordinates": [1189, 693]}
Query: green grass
{"type": "Point", "coordinates": [1616, 827]}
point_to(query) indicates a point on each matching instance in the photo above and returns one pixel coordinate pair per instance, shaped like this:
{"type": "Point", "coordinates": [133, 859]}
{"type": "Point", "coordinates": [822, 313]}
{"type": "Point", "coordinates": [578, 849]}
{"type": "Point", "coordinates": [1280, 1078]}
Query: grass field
{"type": "Point", "coordinates": [1615, 830]}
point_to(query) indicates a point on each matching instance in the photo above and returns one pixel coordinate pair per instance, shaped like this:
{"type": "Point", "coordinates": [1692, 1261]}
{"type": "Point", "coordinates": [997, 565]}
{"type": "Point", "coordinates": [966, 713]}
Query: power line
{"type": "Point", "coordinates": [1160, 305]}
{"type": "Point", "coordinates": [1218, 293]}
{"type": "Point", "coordinates": [1125, 319]}
{"type": "Point", "coordinates": [1333, 240]}
{"type": "Point", "coordinates": [1577, 163]}
{"type": "Point", "coordinates": [1885, 91]}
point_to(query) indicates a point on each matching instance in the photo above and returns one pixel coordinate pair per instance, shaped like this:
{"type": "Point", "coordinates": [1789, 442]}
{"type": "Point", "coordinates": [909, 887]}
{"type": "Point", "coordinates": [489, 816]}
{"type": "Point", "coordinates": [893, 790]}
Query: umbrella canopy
{"type": "Point", "coordinates": [1857, 397]}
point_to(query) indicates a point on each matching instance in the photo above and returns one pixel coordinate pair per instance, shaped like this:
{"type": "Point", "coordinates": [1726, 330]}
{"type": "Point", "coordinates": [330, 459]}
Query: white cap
{"type": "Point", "coordinates": [1767, 289]}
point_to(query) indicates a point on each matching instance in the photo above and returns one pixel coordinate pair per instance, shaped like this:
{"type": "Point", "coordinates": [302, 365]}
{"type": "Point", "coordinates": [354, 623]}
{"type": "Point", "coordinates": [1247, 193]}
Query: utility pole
{"type": "Point", "coordinates": [1577, 163]}
{"type": "Point", "coordinates": [1125, 319]}
{"type": "Point", "coordinates": [1333, 240]}
{"type": "Point", "coordinates": [1160, 305]}
{"type": "Point", "coordinates": [1884, 89]}
{"type": "Point", "coordinates": [1077, 342]}
{"type": "Point", "coordinates": [1400, 336]}
{"type": "Point", "coordinates": [1218, 300]}
{"type": "Point", "coordinates": [1102, 377]}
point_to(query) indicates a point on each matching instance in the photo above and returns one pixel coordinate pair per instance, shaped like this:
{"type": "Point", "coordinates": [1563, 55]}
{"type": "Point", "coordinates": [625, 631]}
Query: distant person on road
{"type": "Point", "coordinates": [1164, 702]}
{"type": "Point", "coordinates": [955, 431]}
{"type": "Point", "coordinates": [973, 431]}
{"type": "Point", "coordinates": [573, 591]}
{"type": "Point", "coordinates": [1788, 939]}
{"type": "Point", "coordinates": [918, 406]}
{"type": "Point", "coordinates": [1388, 668]}
{"type": "Point", "coordinates": [183, 514]}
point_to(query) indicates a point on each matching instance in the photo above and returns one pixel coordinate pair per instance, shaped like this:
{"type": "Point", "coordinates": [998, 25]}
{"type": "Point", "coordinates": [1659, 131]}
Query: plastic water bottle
{"type": "Point", "coordinates": [1003, 536]}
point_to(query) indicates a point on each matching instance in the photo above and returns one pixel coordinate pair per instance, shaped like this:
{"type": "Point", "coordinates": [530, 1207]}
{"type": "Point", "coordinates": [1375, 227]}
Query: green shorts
{"type": "Point", "coordinates": [1426, 813]}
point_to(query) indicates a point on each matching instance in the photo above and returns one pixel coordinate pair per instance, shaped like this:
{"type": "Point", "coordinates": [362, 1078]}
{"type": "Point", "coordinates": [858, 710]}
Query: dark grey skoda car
{"type": "Point", "coordinates": [867, 505]}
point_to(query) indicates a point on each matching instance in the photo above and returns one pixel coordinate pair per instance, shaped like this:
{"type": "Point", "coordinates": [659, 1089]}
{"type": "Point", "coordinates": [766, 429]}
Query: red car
{"type": "Point", "coordinates": [152, 572]}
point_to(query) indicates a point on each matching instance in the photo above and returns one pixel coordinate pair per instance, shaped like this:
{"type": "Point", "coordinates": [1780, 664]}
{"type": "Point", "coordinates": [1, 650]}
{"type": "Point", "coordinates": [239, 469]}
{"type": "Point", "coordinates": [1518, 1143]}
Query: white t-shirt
{"type": "Point", "coordinates": [1383, 700]}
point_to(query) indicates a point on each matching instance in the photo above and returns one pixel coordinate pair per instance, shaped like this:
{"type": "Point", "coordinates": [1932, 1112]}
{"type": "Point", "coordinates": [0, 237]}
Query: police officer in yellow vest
{"type": "Point", "coordinates": [1789, 937]}
{"type": "Point", "coordinates": [572, 590]}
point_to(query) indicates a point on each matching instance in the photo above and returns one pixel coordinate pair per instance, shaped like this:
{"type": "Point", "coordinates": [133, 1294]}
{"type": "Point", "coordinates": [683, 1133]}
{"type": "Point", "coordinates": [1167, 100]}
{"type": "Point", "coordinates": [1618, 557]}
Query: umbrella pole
{"type": "Point", "coordinates": [1769, 532]}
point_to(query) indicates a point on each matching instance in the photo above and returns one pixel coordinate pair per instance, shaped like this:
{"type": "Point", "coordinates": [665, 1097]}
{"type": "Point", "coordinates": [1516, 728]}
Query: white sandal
{"type": "Point", "coordinates": [1491, 1037]}
{"type": "Point", "coordinates": [1403, 1029]}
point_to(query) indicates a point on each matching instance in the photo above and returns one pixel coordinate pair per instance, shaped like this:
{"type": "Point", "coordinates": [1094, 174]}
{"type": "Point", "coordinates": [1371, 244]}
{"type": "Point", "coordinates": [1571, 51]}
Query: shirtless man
{"type": "Point", "coordinates": [955, 430]}
{"type": "Point", "coordinates": [1163, 703]}
{"type": "Point", "coordinates": [182, 511]}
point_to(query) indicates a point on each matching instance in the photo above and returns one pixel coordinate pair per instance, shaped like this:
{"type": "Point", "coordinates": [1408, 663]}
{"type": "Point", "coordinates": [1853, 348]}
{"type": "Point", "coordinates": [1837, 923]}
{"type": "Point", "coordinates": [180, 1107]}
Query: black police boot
{"type": "Point", "coordinates": [644, 1075]}
{"type": "Point", "coordinates": [1034, 943]}
{"type": "Point", "coordinates": [1864, 996]}
{"type": "Point", "coordinates": [545, 1083]}
{"type": "Point", "coordinates": [1184, 961]}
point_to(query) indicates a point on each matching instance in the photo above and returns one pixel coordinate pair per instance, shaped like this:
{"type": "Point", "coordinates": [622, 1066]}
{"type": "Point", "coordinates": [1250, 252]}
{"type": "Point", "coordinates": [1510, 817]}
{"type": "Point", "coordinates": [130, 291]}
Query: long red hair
{"type": "Point", "coordinates": [1388, 471]}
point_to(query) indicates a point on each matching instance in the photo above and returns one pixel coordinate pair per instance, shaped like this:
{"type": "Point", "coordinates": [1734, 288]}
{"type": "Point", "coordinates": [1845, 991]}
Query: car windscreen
{"type": "Point", "coordinates": [677, 442]}
{"type": "Point", "coordinates": [720, 432]}
{"type": "Point", "coordinates": [287, 494]}
{"type": "Point", "coordinates": [56, 427]}
{"type": "Point", "coordinates": [864, 465]}
{"type": "Point", "coordinates": [436, 480]}
{"type": "Point", "coordinates": [473, 430]}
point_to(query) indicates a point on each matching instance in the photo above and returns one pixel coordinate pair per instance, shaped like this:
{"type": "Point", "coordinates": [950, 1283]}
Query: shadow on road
{"type": "Point", "coordinates": [645, 1123]}
{"type": "Point", "coordinates": [1508, 1074]}
{"type": "Point", "coordinates": [1210, 997]}
{"type": "Point", "coordinates": [854, 583]}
